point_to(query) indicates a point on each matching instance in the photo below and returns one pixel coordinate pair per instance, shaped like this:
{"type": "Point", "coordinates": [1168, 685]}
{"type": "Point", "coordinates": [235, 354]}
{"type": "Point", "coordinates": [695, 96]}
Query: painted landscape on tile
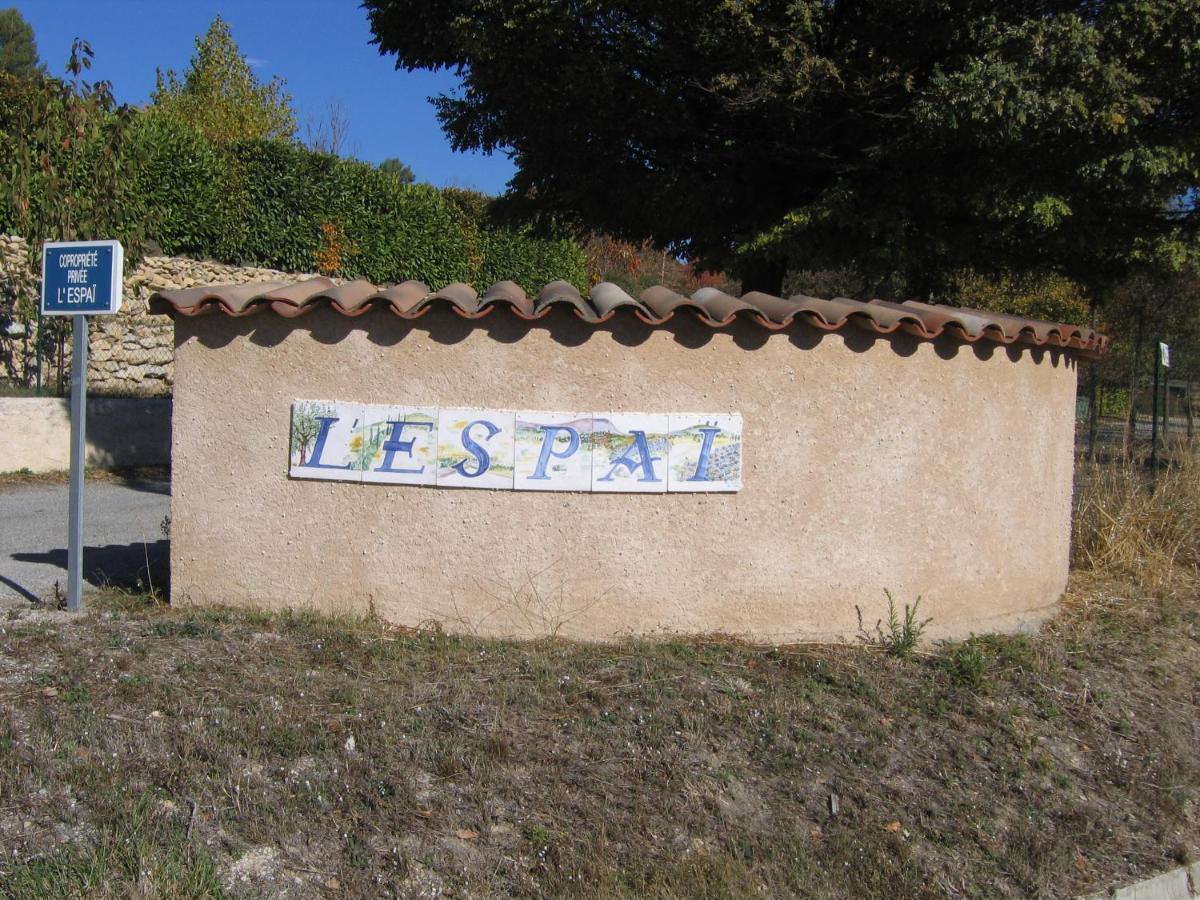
{"type": "Point", "coordinates": [326, 440]}
{"type": "Point", "coordinates": [475, 448]}
{"type": "Point", "coordinates": [630, 454]}
{"type": "Point", "coordinates": [553, 451]}
{"type": "Point", "coordinates": [613, 452]}
{"type": "Point", "coordinates": [705, 453]}
{"type": "Point", "coordinates": [400, 444]}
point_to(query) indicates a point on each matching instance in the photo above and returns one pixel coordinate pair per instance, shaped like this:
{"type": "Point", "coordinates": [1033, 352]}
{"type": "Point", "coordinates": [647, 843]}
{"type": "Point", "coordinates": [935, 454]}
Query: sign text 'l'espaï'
{"type": "Point", "coordinates": [81, 277]}
{"type": "Point", "coordinates": [525, 450]}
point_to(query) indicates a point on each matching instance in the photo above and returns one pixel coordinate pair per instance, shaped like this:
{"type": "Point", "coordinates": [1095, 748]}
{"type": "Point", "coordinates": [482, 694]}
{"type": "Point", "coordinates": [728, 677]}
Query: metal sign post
{"type": "Point", "coordinates": [79, 349]}
{"type": "Point", "coordinates": [1164, 357]}
{"type": "Point", "coordinates": [79, 279]}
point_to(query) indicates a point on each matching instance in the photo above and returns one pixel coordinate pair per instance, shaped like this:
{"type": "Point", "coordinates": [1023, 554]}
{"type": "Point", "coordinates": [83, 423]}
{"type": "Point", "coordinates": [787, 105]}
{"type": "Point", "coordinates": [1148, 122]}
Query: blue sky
{"type": "Point", "coordinates": [320, 47]}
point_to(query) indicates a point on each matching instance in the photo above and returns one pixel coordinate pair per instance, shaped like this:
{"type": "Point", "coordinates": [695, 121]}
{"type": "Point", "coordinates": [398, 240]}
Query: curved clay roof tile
{"type": "Point", "coordinates": [654, 306]}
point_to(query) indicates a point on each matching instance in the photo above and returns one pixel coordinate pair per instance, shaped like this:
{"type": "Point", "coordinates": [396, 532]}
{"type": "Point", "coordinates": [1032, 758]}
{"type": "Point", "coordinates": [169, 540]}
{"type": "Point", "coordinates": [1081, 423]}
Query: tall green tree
{"type": "Point", "coordinates": [397, 167]}
{"type": "Point", "coordinates": [18, 49]}
{"type": "Point", "coordinates": [907, 140]}
{"type": "Point", "coordinates": [220, 96]}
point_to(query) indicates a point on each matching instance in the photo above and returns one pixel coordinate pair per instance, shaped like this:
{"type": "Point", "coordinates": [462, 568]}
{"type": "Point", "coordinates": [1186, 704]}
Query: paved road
{"type": "Point", "coordinates": [121, 532]}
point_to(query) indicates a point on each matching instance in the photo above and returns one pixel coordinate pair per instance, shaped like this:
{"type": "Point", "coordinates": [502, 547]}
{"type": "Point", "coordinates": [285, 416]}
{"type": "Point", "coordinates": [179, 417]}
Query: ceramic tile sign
{"type": "Point", "coordinates": [527, 450]}
{"type": "Point", "coordinates": [629, 452]}
{"type": "Point", "coordinates": [400, 445]}
{"type": "Point", "coordinates": [705, 453]}
{"type": "Point", "coordinates": [553, 451]}
{"type": "Point", "coordinates": [326, 440]}
{"type": "Point", "coordinates": [475, 448]}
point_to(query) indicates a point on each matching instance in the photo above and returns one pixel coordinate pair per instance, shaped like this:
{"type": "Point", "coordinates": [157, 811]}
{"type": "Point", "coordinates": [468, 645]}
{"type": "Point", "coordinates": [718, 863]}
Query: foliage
{"type": "Point", "coordinates": [220, 95]}
{"type": "Point", "coordinates": [966, 664]}
{"type": "Point", "coordinates": [70, 160]}
{"type": "Point", "coordinates": [902, 635]}
{"type": "Point", "coordinates": [907, 141]}
{"type": "Point", "coordinates": [18, 49]}
{"type": "Point", "coordinates": [395, 166]}
{"type": "Point", "coordinates": [1052, 298]}
{"type": "Point", "coordinates": [636, 267]}
{"type": "Point", "coordinates": [280, 205]}
{"type": "Point", "coordinates": [73, 163]}
{"type": "Point", "coordinates": [183, 177]}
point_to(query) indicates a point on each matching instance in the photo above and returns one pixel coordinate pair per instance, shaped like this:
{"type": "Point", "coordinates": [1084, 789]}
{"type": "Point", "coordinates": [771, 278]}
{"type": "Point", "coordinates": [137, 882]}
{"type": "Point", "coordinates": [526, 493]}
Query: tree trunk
{"type": "Point", "coordinates": [62, 351]}
{"type": "Point", "coordinates": [1093, 413]}
{"type": "Point", "coordinates": [762, 274]}
{"type": "Point", "coordinates": [1187, 408]}
{"type": "Point", "coordinates": [1136, 358]}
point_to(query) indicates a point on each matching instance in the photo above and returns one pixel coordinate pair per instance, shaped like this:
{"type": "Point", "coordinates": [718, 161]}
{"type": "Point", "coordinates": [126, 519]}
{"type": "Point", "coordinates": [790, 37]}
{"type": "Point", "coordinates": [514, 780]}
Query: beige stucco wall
{"type": "Point", "coordinates": [931, 469]}
{"type": "Point", "coordinates": [35, 433]}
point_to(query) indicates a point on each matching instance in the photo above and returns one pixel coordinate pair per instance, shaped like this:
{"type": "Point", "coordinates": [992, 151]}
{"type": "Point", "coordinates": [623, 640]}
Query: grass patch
{"type": "Point", "coordinates": [318, 752]}
{"type": "Point", "coordinates": [197, 752]}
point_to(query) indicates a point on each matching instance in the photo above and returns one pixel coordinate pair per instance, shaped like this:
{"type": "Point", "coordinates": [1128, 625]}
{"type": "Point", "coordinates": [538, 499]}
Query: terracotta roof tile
{"type": "Point", "coordinates": [654, 306]}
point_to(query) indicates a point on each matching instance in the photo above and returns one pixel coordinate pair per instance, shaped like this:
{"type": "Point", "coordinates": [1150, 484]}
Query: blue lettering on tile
{"type": "Point", "coordinates": [314, 461]}
{"type": "Point", "coordinates": [646, 464]}
{"type": "Point", "coordinates": [701, 473]}
{"type": "Point", "coordinates": [394, 445]}
{"type": "Point", "coordinates": [481, 455]}
{"type": "Point", "coordinates": [539, 471]}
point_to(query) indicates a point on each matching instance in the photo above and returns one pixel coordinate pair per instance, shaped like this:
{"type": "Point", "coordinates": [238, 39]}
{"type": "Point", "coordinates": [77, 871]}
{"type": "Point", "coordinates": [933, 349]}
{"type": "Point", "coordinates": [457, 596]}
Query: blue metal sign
{"type": "Point", "coordinates": [81, 277]}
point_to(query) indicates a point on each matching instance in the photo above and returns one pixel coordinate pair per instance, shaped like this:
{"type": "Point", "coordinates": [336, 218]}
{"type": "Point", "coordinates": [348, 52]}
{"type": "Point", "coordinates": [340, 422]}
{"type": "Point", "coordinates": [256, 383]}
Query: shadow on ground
{"type": "Point", "coordinates": [138, 566]}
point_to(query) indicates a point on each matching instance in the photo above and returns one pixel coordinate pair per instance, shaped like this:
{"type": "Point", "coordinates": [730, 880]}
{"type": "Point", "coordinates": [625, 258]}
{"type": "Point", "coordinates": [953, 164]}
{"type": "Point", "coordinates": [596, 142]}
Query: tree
{"type": "Point", "coordinates": [906, 141]}
{"type": "Point", "coordinates": [329, 131]}
{"type": "Point", "coordinates": [18, 49]}
{"type": "Point", "coordinates": [68, 172]}
{"type": "Point", "coordinates": [399, 169]}
{"type": "Point", "coordinates": [220, 96]}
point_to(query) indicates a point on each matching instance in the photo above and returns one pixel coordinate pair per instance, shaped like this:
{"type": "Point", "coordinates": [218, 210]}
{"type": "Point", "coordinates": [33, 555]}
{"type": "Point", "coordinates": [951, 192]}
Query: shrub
{"type": "Point", "coordinates": [279, 205]}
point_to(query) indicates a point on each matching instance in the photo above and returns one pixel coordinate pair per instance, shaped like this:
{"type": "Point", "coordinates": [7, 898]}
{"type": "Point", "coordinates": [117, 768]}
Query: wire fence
{"type": "Point", "coordinates": [1137, 405]}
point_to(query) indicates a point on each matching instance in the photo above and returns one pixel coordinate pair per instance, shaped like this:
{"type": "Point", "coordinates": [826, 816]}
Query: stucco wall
{"type": "Point", "coordinates": [931, 469]}
{"type": "Point", "coordinates": [35, 433]}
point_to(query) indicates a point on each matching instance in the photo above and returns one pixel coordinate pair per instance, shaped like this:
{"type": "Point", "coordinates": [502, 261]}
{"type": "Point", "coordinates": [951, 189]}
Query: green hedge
{"type": "Point", "coordinates": [275, 204]}
{"type": "Point", "coordinates": [279, 205]}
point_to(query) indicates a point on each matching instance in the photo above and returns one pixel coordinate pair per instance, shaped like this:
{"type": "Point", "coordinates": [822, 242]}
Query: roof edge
{"type": "Point", "coordinates": [654, 306]}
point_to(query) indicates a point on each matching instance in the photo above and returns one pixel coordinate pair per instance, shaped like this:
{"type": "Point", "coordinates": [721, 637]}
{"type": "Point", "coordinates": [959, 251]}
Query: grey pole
{"type": "Point", "coordinates": [79, 362]}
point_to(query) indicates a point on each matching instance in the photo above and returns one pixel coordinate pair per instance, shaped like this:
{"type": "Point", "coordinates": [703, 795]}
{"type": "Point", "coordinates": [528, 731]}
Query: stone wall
{"type": "Point", "coordinates": [130, 354]}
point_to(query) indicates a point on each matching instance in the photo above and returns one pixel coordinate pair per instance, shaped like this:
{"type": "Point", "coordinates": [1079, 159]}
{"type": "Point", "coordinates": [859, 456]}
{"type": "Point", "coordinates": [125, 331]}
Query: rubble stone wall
{"type": "Point", "coordinates": [130, 354]}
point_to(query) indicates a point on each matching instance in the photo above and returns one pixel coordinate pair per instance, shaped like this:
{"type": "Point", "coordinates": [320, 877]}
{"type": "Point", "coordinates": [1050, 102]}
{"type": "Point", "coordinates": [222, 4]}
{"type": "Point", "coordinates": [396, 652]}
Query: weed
{"type": "Point", "coordinates": [966, 664]}
{"type": "Point", "coordinates": [185, 628]}
{"type": "Point", "coordinates": [902, 635]}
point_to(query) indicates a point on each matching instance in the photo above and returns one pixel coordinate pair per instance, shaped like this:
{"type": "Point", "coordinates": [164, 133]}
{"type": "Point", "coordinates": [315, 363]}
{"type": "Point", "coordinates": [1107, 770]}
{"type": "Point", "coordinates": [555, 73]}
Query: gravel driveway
{"type": "Point", "coordinates": [122, 535]}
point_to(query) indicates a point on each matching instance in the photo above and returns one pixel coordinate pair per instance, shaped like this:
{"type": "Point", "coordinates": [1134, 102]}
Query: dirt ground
{"type": "Point", "coordinates": [148, 751]}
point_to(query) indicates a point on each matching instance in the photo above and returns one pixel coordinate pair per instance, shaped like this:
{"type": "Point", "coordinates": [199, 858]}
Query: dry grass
{"type": "Point", "coordinates": [1132, 522]}
{"type": "Point", "coordinates": [156, 752]}
{"type": "Point", "coordinates": [147, 751]}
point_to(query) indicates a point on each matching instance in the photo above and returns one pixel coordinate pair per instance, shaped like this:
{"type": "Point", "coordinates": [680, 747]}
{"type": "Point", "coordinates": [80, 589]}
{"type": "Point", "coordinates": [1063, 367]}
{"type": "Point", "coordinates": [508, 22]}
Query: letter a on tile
{"type": "Point", "coordinates": [475, 448]}
{"type": "Point", "coordinates": [630, 453]}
